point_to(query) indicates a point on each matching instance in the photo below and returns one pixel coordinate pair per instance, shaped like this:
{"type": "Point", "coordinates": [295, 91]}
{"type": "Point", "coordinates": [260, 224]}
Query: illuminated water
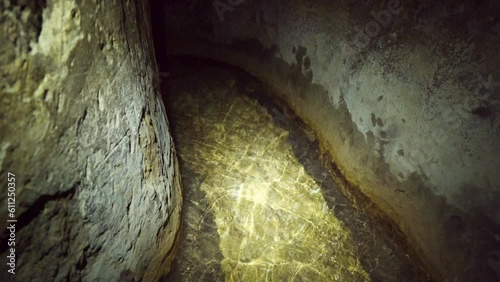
{"type": "Point", "coordinates": [258, 204]}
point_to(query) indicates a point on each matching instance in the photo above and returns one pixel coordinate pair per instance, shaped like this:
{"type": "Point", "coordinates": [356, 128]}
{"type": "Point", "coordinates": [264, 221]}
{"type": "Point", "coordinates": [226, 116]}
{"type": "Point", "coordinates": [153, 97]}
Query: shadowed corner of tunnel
{"type": "Point", "coordinates": [478, 230]}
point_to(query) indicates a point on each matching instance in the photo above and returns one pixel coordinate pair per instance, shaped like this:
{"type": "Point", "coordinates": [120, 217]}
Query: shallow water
{"type": "Point", "coordinates": [258, 204]}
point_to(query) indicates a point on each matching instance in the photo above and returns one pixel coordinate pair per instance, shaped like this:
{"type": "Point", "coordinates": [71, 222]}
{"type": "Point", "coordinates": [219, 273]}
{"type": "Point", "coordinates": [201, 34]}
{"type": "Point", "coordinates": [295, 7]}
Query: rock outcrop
{"type": "Point", "coordinates": [85, 133]}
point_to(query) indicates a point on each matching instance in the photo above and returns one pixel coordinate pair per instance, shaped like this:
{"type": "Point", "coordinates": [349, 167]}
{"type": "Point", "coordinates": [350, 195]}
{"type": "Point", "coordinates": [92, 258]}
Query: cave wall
{"type": "Point", "coordinates": [85, 133]}
{"type": "Point", "coordinates": [404, 96]}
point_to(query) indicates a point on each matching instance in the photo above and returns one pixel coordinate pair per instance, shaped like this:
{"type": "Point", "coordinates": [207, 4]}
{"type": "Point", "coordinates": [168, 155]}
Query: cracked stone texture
{"type": "Point", "coordinates": [86, 135]}
{"type": "Point", "coordinates": [410, 115]}
{"type": "Point", "coordinates": [259, 206]}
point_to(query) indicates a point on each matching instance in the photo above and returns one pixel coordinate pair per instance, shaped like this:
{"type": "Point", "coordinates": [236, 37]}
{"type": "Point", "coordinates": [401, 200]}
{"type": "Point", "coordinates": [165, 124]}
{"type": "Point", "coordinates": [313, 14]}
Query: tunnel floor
{"type": "Point", "coordinates": [259, 205]}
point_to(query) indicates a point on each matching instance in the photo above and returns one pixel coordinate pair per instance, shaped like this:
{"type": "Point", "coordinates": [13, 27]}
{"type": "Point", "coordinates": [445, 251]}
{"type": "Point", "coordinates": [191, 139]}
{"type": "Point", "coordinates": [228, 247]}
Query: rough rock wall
{"type": "Point", "coordinates": [85, 134]}
{"type": "Point", "coordinates": [405, 97]}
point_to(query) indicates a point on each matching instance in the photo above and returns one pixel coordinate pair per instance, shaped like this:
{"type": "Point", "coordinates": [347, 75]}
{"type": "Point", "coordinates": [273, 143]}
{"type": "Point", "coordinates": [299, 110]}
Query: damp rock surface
{"type": "Point", "coordinates": [86, 136]}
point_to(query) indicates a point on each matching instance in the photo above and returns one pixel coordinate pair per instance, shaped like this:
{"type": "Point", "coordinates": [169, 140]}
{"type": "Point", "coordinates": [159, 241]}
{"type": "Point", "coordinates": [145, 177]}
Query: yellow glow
{"type": "Point", "coordinates": [272, 219]}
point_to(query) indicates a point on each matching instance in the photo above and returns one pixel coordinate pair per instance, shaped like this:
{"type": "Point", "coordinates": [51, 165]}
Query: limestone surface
{"type": "Point", "coordinates": [85, 133]}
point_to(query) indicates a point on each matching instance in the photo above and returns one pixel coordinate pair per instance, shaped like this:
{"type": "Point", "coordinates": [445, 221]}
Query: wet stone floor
{"type": "Point", "coordinates": [258, 204]}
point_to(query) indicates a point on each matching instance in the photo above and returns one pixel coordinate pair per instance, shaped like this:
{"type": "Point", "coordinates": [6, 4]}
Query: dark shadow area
{"type": "Point", "coordinates": [196, 221]}
{"type": "Point", "coordinates": [159, 34]}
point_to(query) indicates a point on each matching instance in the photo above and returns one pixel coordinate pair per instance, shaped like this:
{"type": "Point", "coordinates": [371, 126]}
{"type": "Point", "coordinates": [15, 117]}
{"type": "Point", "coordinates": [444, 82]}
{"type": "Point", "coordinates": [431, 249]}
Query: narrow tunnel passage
{"type": "Point", "coordinates": [398, 182]}
{"type": "Point", "coordinates": [259, 205]}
